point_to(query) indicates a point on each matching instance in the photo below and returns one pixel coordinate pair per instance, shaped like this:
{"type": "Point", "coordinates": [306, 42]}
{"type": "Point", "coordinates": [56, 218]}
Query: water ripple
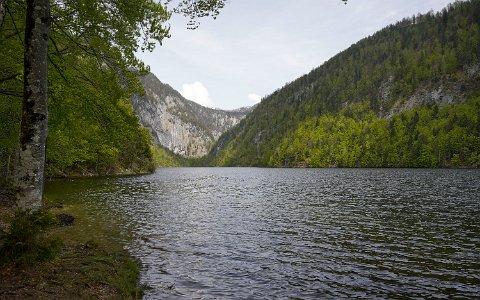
{"type": "Point", "coordinates": [266, 233]}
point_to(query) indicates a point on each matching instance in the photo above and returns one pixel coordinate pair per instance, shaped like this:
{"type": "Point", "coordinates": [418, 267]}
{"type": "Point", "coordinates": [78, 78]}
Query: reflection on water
{"type": "Point", "coordinates": [298, 233]}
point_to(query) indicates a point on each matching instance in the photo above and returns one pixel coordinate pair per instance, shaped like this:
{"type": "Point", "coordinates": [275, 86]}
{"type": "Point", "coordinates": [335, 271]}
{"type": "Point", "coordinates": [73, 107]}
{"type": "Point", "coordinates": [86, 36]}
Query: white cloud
{"type": "Point", "coordinates": [254, 98]}
{"type": "Point", "coordinates": [196, 92]}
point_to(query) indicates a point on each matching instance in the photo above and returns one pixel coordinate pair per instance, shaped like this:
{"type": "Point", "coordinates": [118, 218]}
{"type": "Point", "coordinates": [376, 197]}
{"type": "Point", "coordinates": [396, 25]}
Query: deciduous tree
{"type": "Point", "coordinates": [108, 31]}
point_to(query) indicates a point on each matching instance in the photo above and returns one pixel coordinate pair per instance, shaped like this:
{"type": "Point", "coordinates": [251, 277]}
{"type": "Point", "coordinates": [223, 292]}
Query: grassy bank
{"type": "Point", "coordinates": [90, 263]}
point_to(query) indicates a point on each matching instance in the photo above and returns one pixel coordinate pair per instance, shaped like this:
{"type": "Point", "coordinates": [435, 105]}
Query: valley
{"type": "Point", "coordinates": [358, 179]}
{"type": "Point", "coordinates": [181, 126]}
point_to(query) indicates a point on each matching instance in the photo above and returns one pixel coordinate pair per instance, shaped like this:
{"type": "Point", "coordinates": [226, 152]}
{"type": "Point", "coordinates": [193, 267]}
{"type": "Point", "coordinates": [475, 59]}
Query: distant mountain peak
{"type": "Point", "coordinates": [180, 125]}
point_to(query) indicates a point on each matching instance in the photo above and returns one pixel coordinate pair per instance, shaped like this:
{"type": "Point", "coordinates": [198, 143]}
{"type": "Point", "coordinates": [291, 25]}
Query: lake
{"type": "Point", "coordinates": [226, 233]}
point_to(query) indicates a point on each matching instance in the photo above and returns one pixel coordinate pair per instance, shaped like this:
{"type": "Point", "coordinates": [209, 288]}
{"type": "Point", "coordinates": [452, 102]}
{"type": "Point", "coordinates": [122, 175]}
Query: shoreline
{"type": "Point", "coordinates": [85, 267]}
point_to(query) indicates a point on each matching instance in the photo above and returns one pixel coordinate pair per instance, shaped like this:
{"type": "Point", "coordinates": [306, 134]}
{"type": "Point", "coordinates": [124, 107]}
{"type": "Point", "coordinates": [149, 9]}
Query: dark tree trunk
{"type": "Point", "coordinates": [30, 162]}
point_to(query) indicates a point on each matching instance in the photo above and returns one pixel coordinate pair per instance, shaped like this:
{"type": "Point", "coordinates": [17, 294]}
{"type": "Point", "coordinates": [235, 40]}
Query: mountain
{"type": "Point", "coordinates": [404, 84]}
{"type": "Point", "coordinates": [182, 126]}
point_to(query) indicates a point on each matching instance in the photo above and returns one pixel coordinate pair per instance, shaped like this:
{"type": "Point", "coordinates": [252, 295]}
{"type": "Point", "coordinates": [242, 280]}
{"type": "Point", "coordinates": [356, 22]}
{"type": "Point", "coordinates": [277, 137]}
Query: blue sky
{"type": "Point", "coordinates": [256, 46]}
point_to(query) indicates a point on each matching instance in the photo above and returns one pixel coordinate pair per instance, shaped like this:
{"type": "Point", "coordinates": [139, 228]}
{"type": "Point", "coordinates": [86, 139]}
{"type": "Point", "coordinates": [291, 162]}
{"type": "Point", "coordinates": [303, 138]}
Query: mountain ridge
{"type": "Point", "coordinates": [425, 60]}
{"type": "Point", "coordinates": [182, 126]}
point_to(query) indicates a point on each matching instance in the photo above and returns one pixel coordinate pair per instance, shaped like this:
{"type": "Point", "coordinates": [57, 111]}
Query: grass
{"type": "Point", "coordinates": [26, 240]}
{"type": "Point", "coordinates": [90, 263]}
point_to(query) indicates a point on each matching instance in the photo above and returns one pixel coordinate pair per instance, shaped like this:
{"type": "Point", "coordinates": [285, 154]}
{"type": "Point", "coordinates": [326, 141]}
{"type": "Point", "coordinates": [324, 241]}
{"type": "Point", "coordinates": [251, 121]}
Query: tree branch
{"type": "Point", "coordinates": [15, 25]}
{"type": "Point", "coordinates": [58, 52]}
{"type": "Point", "coordinates": [3, 10]}
{"type": "Point", "coordinates": [9, 77]}
{"type": "Point", "coordinates": [11, 93]}
{"type": "Point", "coordinates": [7, 37]}
{"type": "Point", "coordinates": [60, 72]}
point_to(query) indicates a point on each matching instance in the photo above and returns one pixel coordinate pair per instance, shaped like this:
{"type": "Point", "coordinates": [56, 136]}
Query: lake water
{"type": "Point", "coordinates": [226, 233]}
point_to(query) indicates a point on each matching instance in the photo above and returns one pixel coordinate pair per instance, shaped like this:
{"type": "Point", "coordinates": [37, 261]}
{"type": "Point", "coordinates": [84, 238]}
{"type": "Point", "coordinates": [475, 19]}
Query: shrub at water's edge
{"type": "Point", "coordinates": [162, 157]}
{"type": "Point", "coordinates": [39, 258]}
{"type": "Point", "coordinates": [26, 240]}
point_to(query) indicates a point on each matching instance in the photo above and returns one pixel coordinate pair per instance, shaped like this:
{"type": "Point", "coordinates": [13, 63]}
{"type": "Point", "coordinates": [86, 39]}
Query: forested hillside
{"type": "Point", "coordinates": [407, 81]}
{"type": "Point", "coordinates": [92, 126]}
{"type": "Point", "coordinates": [355, 137]}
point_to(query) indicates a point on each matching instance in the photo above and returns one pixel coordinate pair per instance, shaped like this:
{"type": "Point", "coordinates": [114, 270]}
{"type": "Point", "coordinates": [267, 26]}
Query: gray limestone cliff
{"type": "Point", "coordinates": [184, 127]}
{"type": "Point", "coordinates": [445, 91]}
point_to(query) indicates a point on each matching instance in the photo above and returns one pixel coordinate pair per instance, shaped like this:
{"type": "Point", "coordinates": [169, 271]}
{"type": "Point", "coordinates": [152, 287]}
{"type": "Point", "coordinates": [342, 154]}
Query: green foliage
{"type": "Point", "coordinates": [127, 278]}
{"type": "Point", "coordinates": [93, 72]}
{"type": "Point", "coordinates": [111, 32]}
{"type": "Point", "coordinates": [198, 9]}
{"type": "Point", "coordinates": [355, 137]}
{"type": "Point", "coordinates": [95, 131]}
{"type": "Point", "coordinates": [92, 126]}
{"type": "Point", "coordinates": [26, 241]}
{"type": "Point", "coordinates": [162, 157]}
{"type": "Point", "coordinates": [421, 53]}
{"type": "Point", "coordinates": [11, 85]}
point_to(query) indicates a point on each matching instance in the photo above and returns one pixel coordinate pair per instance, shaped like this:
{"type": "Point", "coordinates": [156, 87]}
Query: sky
{"type": "Point", "coordinates": [255, 47]}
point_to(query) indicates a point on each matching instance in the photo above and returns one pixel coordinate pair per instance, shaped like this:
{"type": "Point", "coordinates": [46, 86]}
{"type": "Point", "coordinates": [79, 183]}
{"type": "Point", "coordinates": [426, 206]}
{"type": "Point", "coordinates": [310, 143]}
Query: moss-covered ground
{"type": "Point", "coordinates": [86, 266]}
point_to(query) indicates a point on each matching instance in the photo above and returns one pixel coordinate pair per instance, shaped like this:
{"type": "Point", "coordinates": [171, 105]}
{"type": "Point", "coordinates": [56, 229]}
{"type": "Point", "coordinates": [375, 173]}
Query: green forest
{"type": "Point", "coordinates": [349, 112]}
{"type": "Point", "coordinates": [426, 137]}
{"type": "Point", "coordinates": [413, 58]}
{"type": "Point", "coordinates": [92, 128]}
{"type": "Point", "coordinates": [408, 96]}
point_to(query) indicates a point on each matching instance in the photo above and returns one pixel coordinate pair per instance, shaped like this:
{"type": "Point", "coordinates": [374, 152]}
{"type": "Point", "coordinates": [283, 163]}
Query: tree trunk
{"type": "Point", "coordinates": [30, 161]}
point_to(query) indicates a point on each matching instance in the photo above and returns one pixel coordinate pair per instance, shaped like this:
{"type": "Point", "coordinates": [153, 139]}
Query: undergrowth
{"type": "Point", "coordinates": [26, 241]}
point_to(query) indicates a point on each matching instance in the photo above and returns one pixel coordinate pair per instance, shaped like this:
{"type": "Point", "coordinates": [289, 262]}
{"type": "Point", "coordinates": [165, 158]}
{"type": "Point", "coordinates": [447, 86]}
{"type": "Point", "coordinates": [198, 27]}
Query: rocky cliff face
{"type": "Point", "coordinates": [445, 91]}
{"type": "Point", "coordinates": [183, 126]}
